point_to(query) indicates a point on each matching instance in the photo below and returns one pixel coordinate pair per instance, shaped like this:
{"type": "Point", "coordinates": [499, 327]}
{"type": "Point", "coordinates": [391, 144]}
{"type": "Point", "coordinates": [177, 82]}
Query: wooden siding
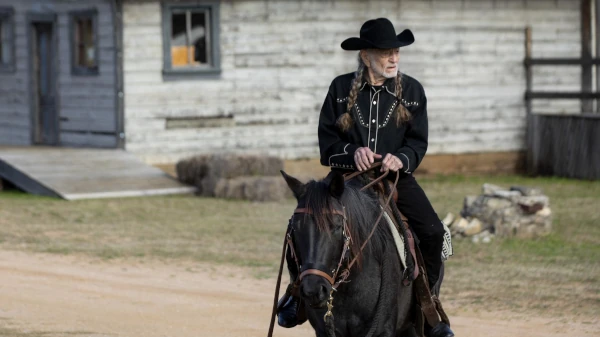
{"type": "Point", "coordinates": [279, 57]}
{"type": "Point", "coordinates": [566, 146]}
{"type": "Point", "coordinates": [86, 104]}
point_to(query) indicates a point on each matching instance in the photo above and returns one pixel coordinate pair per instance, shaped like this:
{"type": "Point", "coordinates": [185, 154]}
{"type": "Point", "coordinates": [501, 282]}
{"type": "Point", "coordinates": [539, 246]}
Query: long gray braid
{"type": "Point", "coordinates": [402, 114]}
{"type": "Point", "coordinates": [345, 121]}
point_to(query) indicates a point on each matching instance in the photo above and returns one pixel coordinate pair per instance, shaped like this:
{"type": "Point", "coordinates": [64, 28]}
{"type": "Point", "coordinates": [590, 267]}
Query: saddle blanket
{"type": "Point", "coordinates": [447, 250]}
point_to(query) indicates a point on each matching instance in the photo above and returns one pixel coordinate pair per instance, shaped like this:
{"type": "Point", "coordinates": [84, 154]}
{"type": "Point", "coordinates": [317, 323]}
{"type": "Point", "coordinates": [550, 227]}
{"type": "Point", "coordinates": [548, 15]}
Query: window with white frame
{"type": "Point", "coordinates": [191, 38]}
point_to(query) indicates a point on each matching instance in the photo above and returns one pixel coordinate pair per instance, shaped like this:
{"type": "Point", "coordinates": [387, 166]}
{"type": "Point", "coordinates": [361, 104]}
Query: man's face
{"type": "Point", "coordinates": [384, 62]}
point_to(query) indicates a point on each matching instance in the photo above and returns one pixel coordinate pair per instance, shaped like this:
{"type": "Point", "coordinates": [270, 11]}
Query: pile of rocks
{"type": "Point", "coordinates": [519, 211]}
{"type": "Point", "coordinates": [231, 176]}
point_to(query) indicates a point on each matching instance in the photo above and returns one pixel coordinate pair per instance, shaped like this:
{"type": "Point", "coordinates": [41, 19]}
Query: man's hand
{"type": "Point", "coordinates": [364, 157]}
{"type": "Point", "coordinates": [391, 162]}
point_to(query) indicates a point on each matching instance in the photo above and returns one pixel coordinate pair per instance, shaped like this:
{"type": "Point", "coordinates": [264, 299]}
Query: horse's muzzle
{"type": "Point", "coordinates": [315, 291]}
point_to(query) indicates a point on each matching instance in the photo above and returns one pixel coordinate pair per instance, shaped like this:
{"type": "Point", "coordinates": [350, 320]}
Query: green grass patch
{"type": "Point", "coordinates": [549, 274]}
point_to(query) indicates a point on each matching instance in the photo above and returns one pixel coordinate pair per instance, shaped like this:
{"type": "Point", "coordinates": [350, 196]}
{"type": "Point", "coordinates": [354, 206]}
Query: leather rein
{"type": "Point", "coordinates": [346, 233]}
{"type": "Point", "coordinates": [347, 240]}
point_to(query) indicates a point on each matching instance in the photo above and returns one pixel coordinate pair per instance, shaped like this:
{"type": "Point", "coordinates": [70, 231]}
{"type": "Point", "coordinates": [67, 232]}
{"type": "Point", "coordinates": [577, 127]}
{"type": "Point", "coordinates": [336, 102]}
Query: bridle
{"type": "Point", "coordinates": [347, 239]}
{"type": "Point", "coordinates": [346, 233]}
{"type": "Point", "coordinates": [315, 271]}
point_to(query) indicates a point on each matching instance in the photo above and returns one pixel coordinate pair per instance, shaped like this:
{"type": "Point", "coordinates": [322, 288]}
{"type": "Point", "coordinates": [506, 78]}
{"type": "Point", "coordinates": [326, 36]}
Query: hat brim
{"type": "Point", "coordinates": [403, 39]}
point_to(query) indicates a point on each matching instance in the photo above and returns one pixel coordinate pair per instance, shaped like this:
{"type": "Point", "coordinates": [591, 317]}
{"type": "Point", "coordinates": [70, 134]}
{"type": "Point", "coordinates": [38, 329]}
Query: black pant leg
{"type": "Point", "coordinates": [415, 205]}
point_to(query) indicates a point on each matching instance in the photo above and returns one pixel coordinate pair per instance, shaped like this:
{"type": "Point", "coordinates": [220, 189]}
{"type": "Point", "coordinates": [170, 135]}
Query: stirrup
{"type": "Point", "coordinates": [287, 311]}
{"type": "Point", "coordinates": [440, 330]}
{"type": "Point", "coordinates": [293, 318]}
{"type": "Point", "coordinates": [430, 305]}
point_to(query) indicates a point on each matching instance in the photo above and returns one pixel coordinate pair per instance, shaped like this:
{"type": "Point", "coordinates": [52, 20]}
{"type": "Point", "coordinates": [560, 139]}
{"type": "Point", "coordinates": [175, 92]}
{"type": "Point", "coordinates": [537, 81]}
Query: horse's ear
{"type": "Point", "coordinates": [336, 184]}
{"type": "Point", "coordinates": [294, 184]}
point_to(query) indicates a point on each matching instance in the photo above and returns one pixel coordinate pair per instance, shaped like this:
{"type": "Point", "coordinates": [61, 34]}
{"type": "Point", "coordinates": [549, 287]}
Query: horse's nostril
{"type": "Point", "coordinates": [323, 293]}
{"type": "Point", "coordinates": [304, 292]}
{"type": "Point", "coordinates": [318, 292]}
{"type": "Point", "coordinates": [308, 291]}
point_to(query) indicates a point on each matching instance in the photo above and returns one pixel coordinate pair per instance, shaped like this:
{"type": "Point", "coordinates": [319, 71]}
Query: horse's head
{"type": "Point", "coordinates": [319, 234]}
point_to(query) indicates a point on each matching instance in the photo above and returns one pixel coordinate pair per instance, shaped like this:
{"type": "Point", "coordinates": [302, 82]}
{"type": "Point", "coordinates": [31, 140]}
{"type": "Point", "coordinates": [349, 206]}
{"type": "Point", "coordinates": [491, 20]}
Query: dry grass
{"type": "Point", "coordinates": [555, 275]}
{"type": "Point", "coordinates": [549, 276]}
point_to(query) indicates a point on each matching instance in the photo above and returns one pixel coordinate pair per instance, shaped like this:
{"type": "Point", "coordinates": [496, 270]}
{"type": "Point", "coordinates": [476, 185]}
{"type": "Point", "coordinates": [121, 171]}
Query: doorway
{"type": "Point", "coordinates": [45, 119]}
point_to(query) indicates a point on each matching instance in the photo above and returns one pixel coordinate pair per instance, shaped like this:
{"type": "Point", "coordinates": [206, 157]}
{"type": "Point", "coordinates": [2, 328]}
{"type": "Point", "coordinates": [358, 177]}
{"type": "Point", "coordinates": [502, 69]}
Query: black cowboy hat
{"type": "Point", "coordinates": [378, 34]}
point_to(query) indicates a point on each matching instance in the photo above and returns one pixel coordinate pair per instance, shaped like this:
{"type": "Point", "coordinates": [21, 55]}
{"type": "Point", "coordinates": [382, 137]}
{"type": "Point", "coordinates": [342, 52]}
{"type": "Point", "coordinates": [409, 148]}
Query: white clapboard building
{"type": "Point", "coordinates": [170, 79]}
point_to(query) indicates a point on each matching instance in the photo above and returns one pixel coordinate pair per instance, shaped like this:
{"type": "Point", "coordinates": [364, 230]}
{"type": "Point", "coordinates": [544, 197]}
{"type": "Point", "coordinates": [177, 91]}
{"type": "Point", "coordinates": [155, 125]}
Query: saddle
{"type": "Point", "coordinates": [430, 309]}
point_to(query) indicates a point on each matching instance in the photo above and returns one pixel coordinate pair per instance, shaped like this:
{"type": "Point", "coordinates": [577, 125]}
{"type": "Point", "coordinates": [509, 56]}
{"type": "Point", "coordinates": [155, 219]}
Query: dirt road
{"type": "Point", "coordinates": [71, 296]}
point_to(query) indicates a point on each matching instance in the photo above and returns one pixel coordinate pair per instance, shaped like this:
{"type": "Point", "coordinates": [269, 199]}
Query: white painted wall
{"type": "Point", "coordinates": [279, 57]}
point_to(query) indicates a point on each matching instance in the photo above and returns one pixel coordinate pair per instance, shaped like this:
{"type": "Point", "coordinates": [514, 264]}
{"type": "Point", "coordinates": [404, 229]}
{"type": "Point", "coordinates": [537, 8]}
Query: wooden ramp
{"type": "Point", "coordinates": [73, 174]}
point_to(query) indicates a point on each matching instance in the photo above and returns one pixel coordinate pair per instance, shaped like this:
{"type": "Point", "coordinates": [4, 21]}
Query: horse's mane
{"type": "Point", "coordinates": [361, 207]}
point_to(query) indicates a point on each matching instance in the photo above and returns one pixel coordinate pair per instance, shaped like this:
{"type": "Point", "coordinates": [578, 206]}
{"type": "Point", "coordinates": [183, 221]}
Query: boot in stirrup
{"type": "Point", "coordinates": [441, 329]}
{"type": "Point", "coordinates": [287, 315]}
{"type": "Point", "coordinates": [289, 308]}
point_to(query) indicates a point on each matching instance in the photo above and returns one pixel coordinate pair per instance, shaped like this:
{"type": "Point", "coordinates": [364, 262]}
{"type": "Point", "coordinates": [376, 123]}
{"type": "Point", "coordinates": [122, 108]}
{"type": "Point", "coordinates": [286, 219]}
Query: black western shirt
{"type": "Point", "coordinates": [374, 123]}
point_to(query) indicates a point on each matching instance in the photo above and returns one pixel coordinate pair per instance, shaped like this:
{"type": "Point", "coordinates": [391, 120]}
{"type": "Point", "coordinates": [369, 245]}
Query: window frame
{"type": "Point", "coordinates": [213, 8]}
{"type": "Point", "coordinates": [7, 14]}
{"type": "Point", "coordinates": [92, 14]}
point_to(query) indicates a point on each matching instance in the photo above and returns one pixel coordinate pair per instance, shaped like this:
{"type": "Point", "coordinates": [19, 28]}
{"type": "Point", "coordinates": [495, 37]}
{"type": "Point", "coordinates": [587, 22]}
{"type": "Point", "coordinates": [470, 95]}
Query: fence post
{"type": "Point", "coordinates": [530, 165]}
{"type": "Point", "coordinates": [587, 105]}
{"type": "Point", "coordinates": [597, 34]}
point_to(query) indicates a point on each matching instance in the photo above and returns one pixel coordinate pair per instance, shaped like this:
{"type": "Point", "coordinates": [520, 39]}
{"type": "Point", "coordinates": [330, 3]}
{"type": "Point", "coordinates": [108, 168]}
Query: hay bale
{"type": "Point", "coordinates": [231, 166]}
{"type": "Point", "coordinates": [209, 185]}
{"type": "Point", "coordinates": [235, 176]}
{"type": "Point", "coordinates": [252, 188]}
{"type": "Point", "coordinates": [192, 170]}
{"type": "Point", "coordinates": [229, 188]}
{"type": "Point", "coordinates": [266, 166]}
{"type": "Point", "coordinates": [267, 189]}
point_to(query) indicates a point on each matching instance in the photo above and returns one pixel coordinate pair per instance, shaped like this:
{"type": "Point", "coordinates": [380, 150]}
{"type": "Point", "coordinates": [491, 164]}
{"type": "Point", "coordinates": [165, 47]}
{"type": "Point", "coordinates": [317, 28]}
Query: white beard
{"type": "Point", "coordinates": [389, 74]}
{"type": "Point", "coordinates": [382, 72]}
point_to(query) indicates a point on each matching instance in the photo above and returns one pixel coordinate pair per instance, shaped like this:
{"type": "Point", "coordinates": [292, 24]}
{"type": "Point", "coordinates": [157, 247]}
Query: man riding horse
{"type": "Point", "coordinates": [378, 113]}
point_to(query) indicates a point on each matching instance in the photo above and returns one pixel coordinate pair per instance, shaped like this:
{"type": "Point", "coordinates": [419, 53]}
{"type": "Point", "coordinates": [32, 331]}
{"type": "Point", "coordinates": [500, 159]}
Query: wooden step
{"type": "Point", "coordinates": [78, 173]}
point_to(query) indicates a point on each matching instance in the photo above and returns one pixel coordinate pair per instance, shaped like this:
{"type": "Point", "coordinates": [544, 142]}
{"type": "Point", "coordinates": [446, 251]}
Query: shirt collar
{"type": "Point", "coordinates": [389, 85]}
